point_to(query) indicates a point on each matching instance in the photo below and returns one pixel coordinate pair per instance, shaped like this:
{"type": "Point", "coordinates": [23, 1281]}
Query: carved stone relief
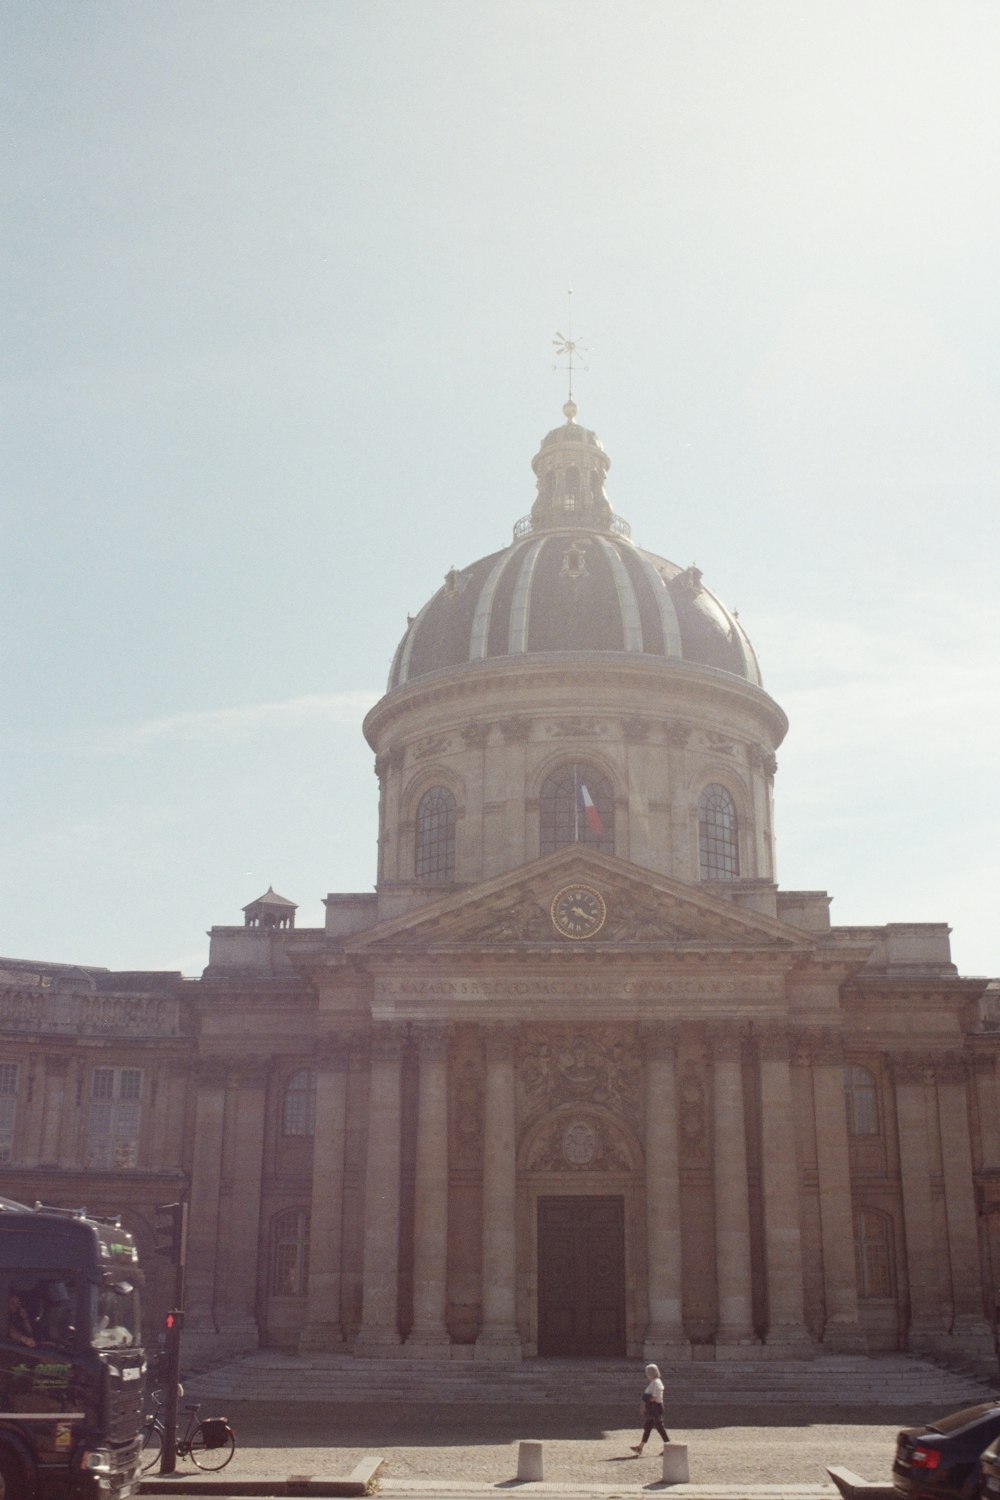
{"type": "Point", "coordinates": [574, 728]}
{"type": "Point", "coordinates": [693, 1112]}
{"type": "Point", "coordinates": [466, 1133]}
{"type": "Point", "coordinates": [584, 1144]}
{"type": "Point", "coordinates": [594, 1065]}
{"type": "Point", "coordinates": [523, 920]}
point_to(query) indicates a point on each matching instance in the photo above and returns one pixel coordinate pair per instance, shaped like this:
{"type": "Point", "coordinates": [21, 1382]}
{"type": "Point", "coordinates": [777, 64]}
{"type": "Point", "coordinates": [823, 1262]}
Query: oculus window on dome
{"type": "Point", "coordinates": [434, 846]}
{"type": "Point", "coordinates": [576, 806]}
{"type": "Point", "coordinates": [718, 834]}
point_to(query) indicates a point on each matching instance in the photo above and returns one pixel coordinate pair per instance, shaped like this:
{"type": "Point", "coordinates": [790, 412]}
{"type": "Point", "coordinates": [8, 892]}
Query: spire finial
{"type": "Point", "coordinates": [565, 344]}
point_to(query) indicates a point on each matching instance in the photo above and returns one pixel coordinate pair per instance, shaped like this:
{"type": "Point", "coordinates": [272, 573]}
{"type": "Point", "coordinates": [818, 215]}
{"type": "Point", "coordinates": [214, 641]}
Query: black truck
{"type": "Point", "coordinates": [72, 1363]}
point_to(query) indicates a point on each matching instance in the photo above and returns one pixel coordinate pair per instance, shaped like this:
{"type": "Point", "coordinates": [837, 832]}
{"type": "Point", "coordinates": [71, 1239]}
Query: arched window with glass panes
{"type": "Point", "coordinates": [290, 1253]}
{"type": "Point", "coordinates": [434, 850]}
{"type": "Point", "coordinates": [576, 806]}
{"type": "Point", "coordinates": [718, 834]}
{"type": "Point", "coordinates": [298, 1115]}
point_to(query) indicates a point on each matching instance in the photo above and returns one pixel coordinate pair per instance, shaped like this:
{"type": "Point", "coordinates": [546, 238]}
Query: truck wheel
{"type": "Point", "coordinates": [12, 1482]}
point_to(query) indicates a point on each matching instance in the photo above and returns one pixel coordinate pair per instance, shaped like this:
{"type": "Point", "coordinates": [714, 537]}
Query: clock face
{"type": "Point", "coordinates": [578, 911]}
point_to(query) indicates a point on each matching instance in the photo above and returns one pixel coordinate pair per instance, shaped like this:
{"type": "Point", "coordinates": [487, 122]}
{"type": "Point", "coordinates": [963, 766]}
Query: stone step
{"type": "Point", "coordinates": [889, 1381]}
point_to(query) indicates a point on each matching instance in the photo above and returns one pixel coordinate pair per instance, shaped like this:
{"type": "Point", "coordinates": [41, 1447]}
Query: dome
{"type": "Point", "coordinates": [572, 580]}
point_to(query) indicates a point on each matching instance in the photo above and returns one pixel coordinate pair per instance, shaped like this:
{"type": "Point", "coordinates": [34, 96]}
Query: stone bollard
{"type": "Point", "coordinates": [675, 1464]}
{"type": "Point", "coordinates": [529, 1461]}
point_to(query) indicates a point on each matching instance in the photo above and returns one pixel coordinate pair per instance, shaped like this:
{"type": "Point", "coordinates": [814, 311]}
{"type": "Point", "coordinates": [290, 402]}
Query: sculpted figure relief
{"type": "Point", "coordinates": [563, 1067]}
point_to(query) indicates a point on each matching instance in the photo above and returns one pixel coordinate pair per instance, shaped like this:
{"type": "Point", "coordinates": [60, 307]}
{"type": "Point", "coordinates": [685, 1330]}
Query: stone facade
{"type": "Point", "coordinates": [578, 1077]}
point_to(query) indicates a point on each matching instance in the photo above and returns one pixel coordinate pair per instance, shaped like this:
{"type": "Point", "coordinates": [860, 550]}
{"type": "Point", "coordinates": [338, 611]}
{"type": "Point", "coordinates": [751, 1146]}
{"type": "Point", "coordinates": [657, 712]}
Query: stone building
{"type": "Point", "coordinates": [577, 1077]}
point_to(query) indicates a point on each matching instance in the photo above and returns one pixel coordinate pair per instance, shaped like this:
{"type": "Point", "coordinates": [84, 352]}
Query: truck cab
{"type": "Point", "coordinates": [71, 1356]}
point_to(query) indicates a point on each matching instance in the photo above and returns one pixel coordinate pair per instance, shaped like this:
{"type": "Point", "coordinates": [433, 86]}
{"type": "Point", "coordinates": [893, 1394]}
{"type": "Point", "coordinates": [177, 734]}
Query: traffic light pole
{"type": "Point", "coordinates": [175, 1245]}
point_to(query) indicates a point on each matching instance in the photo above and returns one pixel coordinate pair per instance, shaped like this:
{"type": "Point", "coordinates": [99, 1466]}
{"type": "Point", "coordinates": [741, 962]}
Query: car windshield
{"type": "Point", "coordinates": [966, 1418]}
{"type": "Point", "coordinates": [114, 1313]}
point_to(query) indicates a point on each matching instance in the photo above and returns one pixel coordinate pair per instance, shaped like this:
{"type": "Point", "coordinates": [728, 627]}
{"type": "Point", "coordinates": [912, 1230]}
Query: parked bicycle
{"type": "Point", "coordinates": [209, 1442]}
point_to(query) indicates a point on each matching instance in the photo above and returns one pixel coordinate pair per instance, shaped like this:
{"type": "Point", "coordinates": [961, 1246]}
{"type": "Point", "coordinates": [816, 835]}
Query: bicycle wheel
{"type": "Point", "coordinates": [215, 1457]}
{"type": "Point", "coordinates": [152, 1444]}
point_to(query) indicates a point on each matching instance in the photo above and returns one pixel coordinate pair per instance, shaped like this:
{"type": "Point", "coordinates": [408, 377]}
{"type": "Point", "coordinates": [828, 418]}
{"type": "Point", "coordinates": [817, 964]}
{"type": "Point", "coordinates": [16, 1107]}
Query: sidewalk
{"type": "Point", "coordinates": [428, 1453]}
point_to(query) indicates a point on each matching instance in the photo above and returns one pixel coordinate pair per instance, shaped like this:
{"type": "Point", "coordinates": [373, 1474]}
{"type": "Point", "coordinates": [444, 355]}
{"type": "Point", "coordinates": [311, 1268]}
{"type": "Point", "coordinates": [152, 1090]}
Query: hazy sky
{"type": "Point", "coordinates": [280, 282]}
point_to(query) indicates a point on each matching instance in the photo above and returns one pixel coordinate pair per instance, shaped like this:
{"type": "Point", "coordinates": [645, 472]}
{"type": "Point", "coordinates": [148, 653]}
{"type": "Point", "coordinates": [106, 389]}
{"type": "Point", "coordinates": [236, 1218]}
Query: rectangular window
{"type": "Point", "coordinates": [8, 1109]}
{"type": "Point", "coordinates": [114, 1119]}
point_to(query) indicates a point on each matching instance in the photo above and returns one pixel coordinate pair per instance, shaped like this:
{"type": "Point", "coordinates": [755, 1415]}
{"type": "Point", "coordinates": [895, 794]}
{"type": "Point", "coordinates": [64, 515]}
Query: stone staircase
{"type": "Point", "coordinates": [837, 1381]}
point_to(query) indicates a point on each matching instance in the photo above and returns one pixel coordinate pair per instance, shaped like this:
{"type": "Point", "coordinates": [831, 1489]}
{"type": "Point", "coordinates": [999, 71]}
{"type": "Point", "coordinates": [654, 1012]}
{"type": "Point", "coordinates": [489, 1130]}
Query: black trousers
{"type": "Point", "coordinates": [654, 1422]}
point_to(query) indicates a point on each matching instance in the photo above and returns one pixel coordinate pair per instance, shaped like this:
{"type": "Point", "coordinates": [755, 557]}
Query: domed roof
{"type": "Point", "coordinates": [572, 581]}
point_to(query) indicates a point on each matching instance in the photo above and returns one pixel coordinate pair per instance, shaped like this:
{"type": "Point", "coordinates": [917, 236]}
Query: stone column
{"type": "Point", "coordinates": [31, 1130]}
{"type": "Point", "coordinates": [969, 1324]}
{"type": "Point", "coordinates": [430, 1228]}
{"type": "Point", "coordinates": [239, 1228]}
{"type": "Point", "coordinates": [55, 1089]}
{"type": "Point", "coordinates": [498, 1338]}
{"type": "Point", "coordinates": [913, 1077]}
{"type": "Point", "coordinates": [665, 1330]}
{"type": "Point", "coordinates": [842, 1332]}
{"type": "Point", "coordinates": [206, 1181]}
{"type": "Point", "coordinates": [782, 1185]}
{"type": "Point", "coordinates": [735, 1336]}
{"type": "Point", "coordinates": [379, 1332]}
{"type": "Point", "coordinates": [324, 1329]}
{"type": "Point", "coordinates": [70, 1143]}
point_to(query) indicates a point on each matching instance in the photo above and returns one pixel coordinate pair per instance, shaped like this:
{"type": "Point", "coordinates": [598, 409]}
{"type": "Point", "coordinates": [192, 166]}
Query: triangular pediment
{"type": "Point", "coordinates": [633, 906]}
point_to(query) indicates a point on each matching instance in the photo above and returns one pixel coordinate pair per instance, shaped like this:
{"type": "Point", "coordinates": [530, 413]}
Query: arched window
{"type": "Point", "coordinates": [718, 835]}
{"type": "Point", "coordinates": [298, 1116]}
{"type": "Point", "coordinates": [577, 805]}
{"type": "Point", "coordinates": [290, 1254]}
{"type": "Point", "coordinates": [873, 1253]}
{"type": "Point", "coordinates": [435, 842]}
{"type": "Point", "coordinates": [861, 1098]}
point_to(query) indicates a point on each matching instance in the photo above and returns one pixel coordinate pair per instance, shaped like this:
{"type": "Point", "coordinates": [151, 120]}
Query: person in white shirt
{"type": "Point", "coordinates": [652, 1409]}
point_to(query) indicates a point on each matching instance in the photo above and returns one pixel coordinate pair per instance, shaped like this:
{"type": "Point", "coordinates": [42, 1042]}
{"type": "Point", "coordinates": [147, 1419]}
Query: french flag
{"type": "Point", "coordinates": [590, 811]}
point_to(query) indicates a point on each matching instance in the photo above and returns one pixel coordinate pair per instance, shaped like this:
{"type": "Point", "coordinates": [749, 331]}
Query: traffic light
{"type": "Point", "coordinates": [173, 1321]}
{"type": "Point", "coordinates": [171, 1232]}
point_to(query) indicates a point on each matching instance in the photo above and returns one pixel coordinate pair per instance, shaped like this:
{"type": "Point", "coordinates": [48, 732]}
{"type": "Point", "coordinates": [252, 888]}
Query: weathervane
{"type": "Point", "coordinates": [566, 344]}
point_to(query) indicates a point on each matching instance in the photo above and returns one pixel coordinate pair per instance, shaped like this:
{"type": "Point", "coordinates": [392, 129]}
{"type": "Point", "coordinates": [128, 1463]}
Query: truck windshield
{"type": "Point", "coordinates": [42, 1309]}
{"type": "Point", "coordinates": [114, 1313]}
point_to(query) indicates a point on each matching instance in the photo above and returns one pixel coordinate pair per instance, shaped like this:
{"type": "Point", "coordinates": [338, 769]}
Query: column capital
{"type": "Point", "coordinates": [775, 1043]}
{"type": "Point", "coordinates": [951, 1067]}
{"type": "Point", "coordinates": [726, 1040]}
{"type": "Point", "coordinates": [387, 1040]}
{"type": "Point", "coordinates": [499, 1040]}
{"type": "Point", "coordinates": [431, 1038]}
{"type": "Point", "coordinates": [826, 1047]}
{"type": "Point", "coordinates": [660, 1038]}
{"type": "Point", "coordinates": [911, 1067]}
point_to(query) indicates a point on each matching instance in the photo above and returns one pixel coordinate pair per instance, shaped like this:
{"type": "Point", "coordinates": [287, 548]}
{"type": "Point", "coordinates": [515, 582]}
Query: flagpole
{"type": "Point", "coordinates": [576, 803]}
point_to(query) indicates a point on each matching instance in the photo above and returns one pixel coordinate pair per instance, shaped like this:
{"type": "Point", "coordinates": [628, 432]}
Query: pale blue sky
{"type": "Point", "coordinates": [280, 284]}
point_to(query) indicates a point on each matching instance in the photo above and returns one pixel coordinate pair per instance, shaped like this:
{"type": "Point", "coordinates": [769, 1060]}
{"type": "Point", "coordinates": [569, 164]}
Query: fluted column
{"type": "Point", "coordinates": [782, 1185]}
{"type": "Point", "coordinates": [968, 1324]}
{"type": "Point", "coordinates": [841, 1330]}
{"type": "Point", "coordinates": [913, 1079]}
{"type": "Point", "coordinates": [323, 1328]}
{"type": "Point", "coordinates": [430, 1228]}
{"type": "Point", "coordinates": [498, 1337]}
{"type": "Point", "coordinates": [735, 1331]}
{"type": "Point", "coordinates": [379, 1332]}
{"type": "Point", "coordinates": [665, 1328]}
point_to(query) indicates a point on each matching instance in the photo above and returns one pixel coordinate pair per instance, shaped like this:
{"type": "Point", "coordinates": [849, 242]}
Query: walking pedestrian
{"type": "Point", "coordinates": [652, 1409]}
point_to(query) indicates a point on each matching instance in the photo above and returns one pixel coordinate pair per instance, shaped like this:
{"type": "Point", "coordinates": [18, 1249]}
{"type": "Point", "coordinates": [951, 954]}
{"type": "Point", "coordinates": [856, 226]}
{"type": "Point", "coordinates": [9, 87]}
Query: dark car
{"type": "Point", "coordinates": [989, 1472]}
{"type": "Point", "coordinates": [940, 1461]}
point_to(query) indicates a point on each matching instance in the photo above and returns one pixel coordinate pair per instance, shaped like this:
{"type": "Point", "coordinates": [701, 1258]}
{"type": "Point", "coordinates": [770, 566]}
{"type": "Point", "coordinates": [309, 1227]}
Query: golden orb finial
{"type": "Point", "coordinates": [569, 410]}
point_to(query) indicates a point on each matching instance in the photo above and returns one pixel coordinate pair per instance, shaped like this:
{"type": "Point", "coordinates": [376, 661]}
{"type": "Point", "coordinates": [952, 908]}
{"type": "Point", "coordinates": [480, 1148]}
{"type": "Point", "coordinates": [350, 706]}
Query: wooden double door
{"type": "Point", "coordinates": [581, 1276]}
